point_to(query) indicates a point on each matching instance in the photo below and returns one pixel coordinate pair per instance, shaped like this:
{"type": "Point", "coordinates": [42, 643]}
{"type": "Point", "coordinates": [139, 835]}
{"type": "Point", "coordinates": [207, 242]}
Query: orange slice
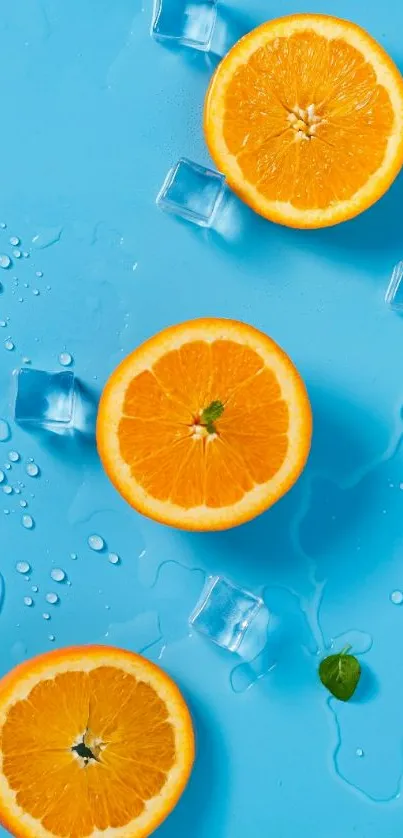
{"type": "Point", "coordinates": [304, 116]}
{"type": "Point", "coordinates": [94, 740]}
{"type": "Point", "coordinates": [205, 425]}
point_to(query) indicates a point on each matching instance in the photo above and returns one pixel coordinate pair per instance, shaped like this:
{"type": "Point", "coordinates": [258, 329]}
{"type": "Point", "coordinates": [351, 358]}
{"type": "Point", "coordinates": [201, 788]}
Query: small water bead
{"type": "Point", "coordinates": [27, 522]}
{"type": "Point", "coordinates": [23, 503]}
{"type": "Point", "coordinates": [396, 597]}
{"type": "Point", "coordinates": [17, 491]}
{"type": "Point", "coordinates": [359, 752]}
{"type": "Point", "coordinates": [35, 589]}
{"type": "Point", "coordinates": [13, 456]}
{"type": "Point", "coordinates": [96, 542]}
{"type": "Point", "coordinates": [6, 511]}
{"type": "Point", "coordinates": [32, 469]}
{"type": "Point", "coordinates": [14, 240]}
{"type": "Point", "coordinates": [28, 600]}
{"type": "Point", "coordinates": [57, 574]}
{"type": "Point", "coordinates": [8, 490]}
{"type": "Point", "coordinates": [39, 273]}
{"type": "Point", "coordinates": [5, 261]}
{"type": "Point", "coordinates": [5, 432]}
{"type": "Point", "coordinates": [52, 599]}
{"type": "Point", "coordinates": [23, 567]}
{"type": "Point", "coordinates": [114, 558]}
{"type": "Point", "coordinates": [17, 254]}
{"type": "Point", "coordinates": [25, 254]}
{"type": "Point", "coordinates": [73, 556]}
{"type": "Point", "coordinates": [2, 476]}
{"type": "Point", "coordinates": [3, 225]}
{"type": "Point", "coordinates": [35, 292]}
{"type": "Point", "coordinates": [3, 324]}
{"type": "Point", "coordinates": [7, 466]}
{"type": "Point", "coordinates": [45, 615]}
{"type": "Point", "coordinates": [9, 345]}
{"type": "Point", "coordinates": [52, 638]}
{"type": "Point", "coordinates": [65, 359]}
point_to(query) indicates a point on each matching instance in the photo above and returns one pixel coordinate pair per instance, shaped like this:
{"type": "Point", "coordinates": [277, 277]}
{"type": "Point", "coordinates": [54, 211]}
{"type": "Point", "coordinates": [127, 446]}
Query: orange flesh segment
{"type": "Point", "coordinates": [298, 84]}
{"type": "Point", "coordinates": [121, 718]}
{"type": "Point", "coordinates": [156, 435]}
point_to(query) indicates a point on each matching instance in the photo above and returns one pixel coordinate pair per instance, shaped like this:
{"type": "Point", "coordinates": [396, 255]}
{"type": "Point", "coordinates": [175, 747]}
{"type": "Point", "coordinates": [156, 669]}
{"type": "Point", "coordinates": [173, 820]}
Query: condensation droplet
{"type": "Point", "coordinates": [73, 556]}
{"type": "Point", "coordinates": [52, 638]}
{"type": "Point", "coordinates": [8, 490]}
{"type": "Point", "coordinates": [5, 432]}
{"type": "Point", "coordinates": [96, 542]}
{"type": "Point", "coordinates": [65, 359]}
{"type": "Point", "coordinates": [13, 456]}
{"type": "Point", "coordinates": [9, 345]}
{"type": "Point", "coordinates": [45, 615]}
{"type": "Point", "coordinates": [57, 574]}
{"type": "Point", "coordinates": [39, 273]}
{"type": "Point", "coordinates": [3, 225]}
{"type": "Point", "coordinates": [2, 476]}
{"type": "Point", "coordinates": [23, 503]}
{"type": "Point", "coordinates": [7, 466]}
{"type": "Point", "coordinates": [35, 292]}
{"type": "Point", "coordinates": [113, 558]}
{"type": "Point", "coordinates": [14, 240]}
{"type": "Point", "coordinates": [52, 599]}
{"type": "Point", "coordinates": [17, 254]}
{"type": "Point", "coordinates": [23, 567]}
{"type": "Point", "coordinates": [28, 600]}
{"type": "Point", "coordinates": [27, 522]}
{"type": "Point", "coordinates": [396, 597]}
{"type": "Point", "coordinates": [359, 752]}
{"type": "Point", "coordinates": [5, 261]}
{"type": "Point", "coordinates": [32, 469]}
{"type": "Point", "coordinates": [35, 589]}
{"type": "Point", "coordinates": [6, 511]}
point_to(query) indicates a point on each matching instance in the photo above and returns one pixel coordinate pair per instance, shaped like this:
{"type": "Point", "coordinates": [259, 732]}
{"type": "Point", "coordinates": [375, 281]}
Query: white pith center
{"type": "Point", "coordinates": [304, 122]}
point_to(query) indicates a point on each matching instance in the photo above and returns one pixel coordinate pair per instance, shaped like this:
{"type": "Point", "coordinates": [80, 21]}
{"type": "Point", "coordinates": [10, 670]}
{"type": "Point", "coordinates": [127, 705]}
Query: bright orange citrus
{"type": "Point", "coordinates": [93, 741]}
{"type": "Point", "coordinates": [205, 425]}
{"type": "Point", "coordinates": [304, 116]}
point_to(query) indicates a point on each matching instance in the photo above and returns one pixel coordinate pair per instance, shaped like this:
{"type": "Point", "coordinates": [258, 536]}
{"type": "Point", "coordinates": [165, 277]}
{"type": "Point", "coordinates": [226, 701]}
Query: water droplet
{"type": "Point", "coordinates": [73, 556]}
{"type": "Point", "coordinates": [35, 292]}
{"type": "Point", "coordinates": [57, 574]}
{"type": "Point", "coordinates": [26, 360]}
{"type": "Point", "coordinates": [113, 558]}
{"type": "Point", "coordinates": [96, 542]}
{"type": "Point", "coordinates": [3, 225]}
{"type": "Point", "coordinates": [17, 254]}
{"type": "Point", "coordinates": [2, 476]}
{"type": "Point", "coordinates": [45, 615]}
{"type": "Point", "coordinates": [396, 597]}
{"type": "Point", "coordinates": [52, 638]}
{"type": "Point", "coordinates": [7, 466]}
{"type": "Point", "coordinates": [52, 599]}
{"type": "Point", "coordinates": [5, 261]}
{"type": "Point", "coordinates": [39, 273]}
{"type": "Point", "coordinates": [9, 345]}
{"type": "Point", "coordinates": [32, 469]}
{"type": "Point", "coordinates": [65, 359]}
{"type": "Point", "coordinates": [6, 511]}
{"type": "Point", "coordinates": [27, 522]}
{"type": "Point", "coordinates": [46, 237]}
{"type": "Point", "coordinates": [25, 254]}
{"type": "Point", "coordinates": [13, 456]}
{"type": "Point", "coordinates": [23, 567]}
{"type": "Point", "coordinates": [28, 600]}
{"type": "Point", "coordinates": [35, 589]}
{"type": "Point", "coordinates": [5, 432]}
{"type": "Point", "coordinates": [14, 240]}
{"type": "Point", "coordinates": [23, 503]}
{"type": "Point", "coordinates": [17, 491]}
{"type": "Point", "coordinates": [359, 752]}
{"type": "Point", "coordinates": [7, 490]}
{"type": "Point", "coordinates": [3, 323]}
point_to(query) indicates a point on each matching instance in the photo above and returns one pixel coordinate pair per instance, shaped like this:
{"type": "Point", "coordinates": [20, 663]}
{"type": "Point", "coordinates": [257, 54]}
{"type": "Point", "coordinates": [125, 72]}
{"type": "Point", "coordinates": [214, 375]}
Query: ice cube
{"type": "Point", "coordinates": [45, 399]}
{"type": "Point", "coordinates": [225, 612]}
{"type": "Point", "coordinates": [192, 192]}
{"type": "Point", "coordinates": [394, 293]}
{"type": "Point", "coordinates": [185, 23]}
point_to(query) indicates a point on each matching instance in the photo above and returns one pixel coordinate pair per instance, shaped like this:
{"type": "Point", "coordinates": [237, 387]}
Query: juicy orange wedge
{"type": "Point", "coordinates": [304, 116]}
{"type": "Point", "coordinates": [94, 740]}
{"type": "Point", "coordinates": [205, 425]}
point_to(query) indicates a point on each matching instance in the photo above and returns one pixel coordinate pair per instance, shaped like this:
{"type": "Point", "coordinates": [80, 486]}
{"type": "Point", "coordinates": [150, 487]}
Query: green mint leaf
{"type": "Point", "coordinates": [210, 414]}
{"type": "Point", "coordinates": [340, 674]}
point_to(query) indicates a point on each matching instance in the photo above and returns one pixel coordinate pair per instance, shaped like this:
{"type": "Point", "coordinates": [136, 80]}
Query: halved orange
{"type": "Point", "coordinates": [205, 425]}
{"type": "Point", "coordinates": [93, 740]}
{"type": "Point", "coordinates": [304, 116]}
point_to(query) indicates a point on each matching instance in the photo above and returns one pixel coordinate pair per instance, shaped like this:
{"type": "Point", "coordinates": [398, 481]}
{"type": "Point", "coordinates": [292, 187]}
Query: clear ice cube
{"type": "Point", "coordinates": [45, 399]}
{"type": "Point", "coordinates": [188, 23]}
{"type": "Point", "coordinates": [192, 192]}
{"type": "Point", "coordinates": [394, 293]}
{"type": "Point", "coordinates": [225, 612]}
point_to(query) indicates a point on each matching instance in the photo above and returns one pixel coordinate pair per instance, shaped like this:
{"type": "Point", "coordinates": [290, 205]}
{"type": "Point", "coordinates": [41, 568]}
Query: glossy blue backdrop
{"type": "Point", "coordinates": [93, 115]}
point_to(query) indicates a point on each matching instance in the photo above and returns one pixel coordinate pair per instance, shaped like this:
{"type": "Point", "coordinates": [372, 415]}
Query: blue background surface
{"type": "Point", "coordinates": [93, 115]}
